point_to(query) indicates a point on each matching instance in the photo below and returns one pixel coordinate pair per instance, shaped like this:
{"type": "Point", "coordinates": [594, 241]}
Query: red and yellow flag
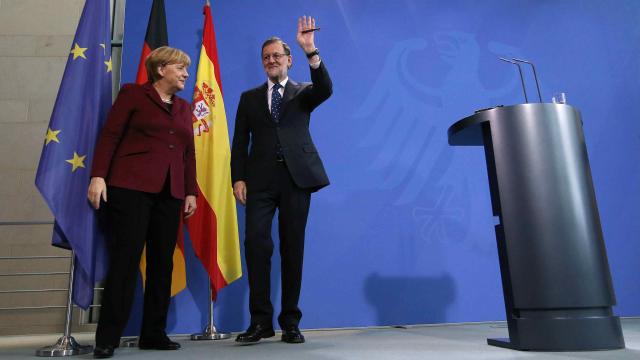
{"type": "Point", "coordinates": [214, 227]}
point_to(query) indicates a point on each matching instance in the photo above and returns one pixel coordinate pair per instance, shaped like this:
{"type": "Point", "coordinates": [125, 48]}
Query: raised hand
{"type": "Point", "coordinates": [305, 40]}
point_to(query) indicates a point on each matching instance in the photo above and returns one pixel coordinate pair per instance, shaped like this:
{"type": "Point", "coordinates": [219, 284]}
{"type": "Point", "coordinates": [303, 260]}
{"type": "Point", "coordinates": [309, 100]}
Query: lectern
{"type": "Point", "coordinates": [556, 282]}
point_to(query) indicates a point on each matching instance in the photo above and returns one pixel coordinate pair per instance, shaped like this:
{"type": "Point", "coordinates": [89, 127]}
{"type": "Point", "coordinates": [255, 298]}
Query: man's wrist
{"type": "Point", "coordinates": [312, 52]}
{"type": "Point", "coordinates": [307, 48]}
{"type": "Point", "coordinates": [314, 62]}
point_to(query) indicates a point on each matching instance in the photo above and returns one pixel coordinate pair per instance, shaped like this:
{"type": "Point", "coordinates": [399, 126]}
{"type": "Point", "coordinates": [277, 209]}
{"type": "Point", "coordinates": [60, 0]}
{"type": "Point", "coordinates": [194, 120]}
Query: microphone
{"type": "Point", "coordinates": [526, 99]}
{"type": "Point", "coordinates": [535, 75]}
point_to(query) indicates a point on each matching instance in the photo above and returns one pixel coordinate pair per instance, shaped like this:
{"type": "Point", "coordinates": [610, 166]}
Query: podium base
{"type": "Point", "coordinates": [563, 334]}
{"type": "Point", "coordinates": [503, 343]}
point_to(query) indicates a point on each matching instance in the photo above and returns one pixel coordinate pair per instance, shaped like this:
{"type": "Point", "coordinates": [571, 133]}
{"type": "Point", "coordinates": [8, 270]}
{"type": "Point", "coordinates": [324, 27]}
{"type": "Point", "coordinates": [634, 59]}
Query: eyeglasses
{"type": "Point", "coordinates": [275, 56]}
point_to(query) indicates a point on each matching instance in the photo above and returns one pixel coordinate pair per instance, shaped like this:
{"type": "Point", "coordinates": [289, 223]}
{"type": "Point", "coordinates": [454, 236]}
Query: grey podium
{"type": "Point", "coordinates": [556, 281]}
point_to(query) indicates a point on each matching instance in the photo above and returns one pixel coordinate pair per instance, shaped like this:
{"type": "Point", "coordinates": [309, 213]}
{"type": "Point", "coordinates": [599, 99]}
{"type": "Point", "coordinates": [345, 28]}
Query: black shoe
{"type": "Point", "coordinates": [103, 352]}
{"type": "Point", "coordinates": [292, 335]}
{"type": "Point", "coordinates": [163, 343]}
{"type": "Point", "coordinates": [254, 333]}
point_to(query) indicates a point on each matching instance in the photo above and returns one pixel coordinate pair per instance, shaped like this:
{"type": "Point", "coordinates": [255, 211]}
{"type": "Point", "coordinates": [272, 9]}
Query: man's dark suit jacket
{"type": "Point", "coordinates": [143, 142]}
{"type": "Point", "coordinates": [254, 124]}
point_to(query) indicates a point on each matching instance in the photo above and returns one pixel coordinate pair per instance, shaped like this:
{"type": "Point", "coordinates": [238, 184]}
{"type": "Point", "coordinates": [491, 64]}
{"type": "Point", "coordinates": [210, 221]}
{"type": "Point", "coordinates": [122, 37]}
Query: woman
{"type": "Point", "coordinates": [144, 164]}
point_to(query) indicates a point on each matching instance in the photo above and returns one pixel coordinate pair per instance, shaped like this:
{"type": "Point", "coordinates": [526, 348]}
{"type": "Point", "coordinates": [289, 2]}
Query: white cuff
{"type": "Point", "coordinates": [315, 65]}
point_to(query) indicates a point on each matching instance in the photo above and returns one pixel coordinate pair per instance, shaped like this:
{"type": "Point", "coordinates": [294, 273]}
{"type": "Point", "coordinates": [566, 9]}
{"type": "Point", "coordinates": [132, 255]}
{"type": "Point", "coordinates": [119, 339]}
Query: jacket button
{"type": "Point", "coordinates": [171, 146]}
{"type": "Point", "coordinates": [171, 132]}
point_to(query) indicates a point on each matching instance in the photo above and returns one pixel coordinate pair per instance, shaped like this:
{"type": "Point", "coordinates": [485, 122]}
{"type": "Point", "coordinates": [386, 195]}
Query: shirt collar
{"type": "Point", "coordinates": [271, 83]}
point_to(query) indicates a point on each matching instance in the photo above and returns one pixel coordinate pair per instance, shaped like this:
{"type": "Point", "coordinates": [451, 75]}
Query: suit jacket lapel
{"type": "Point", "coordinates": [176, 107]}
{"type": "Point", "coordinates": [155, 97]}
{"type": "Point", "coordinates": [289, 91]}
{"type": "Point", "coordinates": [264, 104]}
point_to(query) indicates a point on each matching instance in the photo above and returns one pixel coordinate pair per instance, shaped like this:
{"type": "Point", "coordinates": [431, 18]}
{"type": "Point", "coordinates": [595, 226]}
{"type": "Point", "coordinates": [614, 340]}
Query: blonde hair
{"type": "Point", "coordinates": [161, 56]}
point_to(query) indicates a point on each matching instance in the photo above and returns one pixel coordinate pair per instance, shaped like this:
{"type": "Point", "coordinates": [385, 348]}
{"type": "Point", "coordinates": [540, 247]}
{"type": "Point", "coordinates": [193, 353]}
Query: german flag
{"type": "Point", "coordinates": [156, 37]}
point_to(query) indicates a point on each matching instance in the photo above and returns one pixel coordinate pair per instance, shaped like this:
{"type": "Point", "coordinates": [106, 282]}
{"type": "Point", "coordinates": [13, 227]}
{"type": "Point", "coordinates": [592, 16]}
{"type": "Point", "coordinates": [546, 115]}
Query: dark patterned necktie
{"type": "Point", "coordinates": [276, 102]}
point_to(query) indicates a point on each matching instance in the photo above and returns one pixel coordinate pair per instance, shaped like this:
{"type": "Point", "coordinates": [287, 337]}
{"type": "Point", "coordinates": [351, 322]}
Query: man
{"type": "Point", "coordinates": [280, 171]}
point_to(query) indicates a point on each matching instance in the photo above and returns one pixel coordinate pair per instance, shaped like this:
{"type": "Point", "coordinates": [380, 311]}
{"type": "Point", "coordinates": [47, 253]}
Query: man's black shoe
{"type": "Point", "coordinates": [292, 335]}
{"type": "Point", "coordinates": [103, 352]}
{"type": "Point", "coordinates": [254, 333]}
{"type": "Point", "coordinates": [158, 344]}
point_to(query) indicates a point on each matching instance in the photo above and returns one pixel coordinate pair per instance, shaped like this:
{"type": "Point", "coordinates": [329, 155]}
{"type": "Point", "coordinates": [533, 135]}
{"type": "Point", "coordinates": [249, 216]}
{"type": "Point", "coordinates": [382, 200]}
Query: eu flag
{"type": "Point", "coordinates": [81, 106]}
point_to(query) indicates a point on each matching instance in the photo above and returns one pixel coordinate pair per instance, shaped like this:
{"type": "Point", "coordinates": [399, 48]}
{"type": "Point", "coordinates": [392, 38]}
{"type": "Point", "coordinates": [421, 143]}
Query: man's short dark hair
{"type": "Point", "coordinates": [275, 39]}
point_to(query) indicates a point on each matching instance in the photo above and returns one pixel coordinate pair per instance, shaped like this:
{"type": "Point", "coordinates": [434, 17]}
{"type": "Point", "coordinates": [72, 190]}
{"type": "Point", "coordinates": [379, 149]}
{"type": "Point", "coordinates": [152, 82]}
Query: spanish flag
{"type": "Point", "coordinates": [214, 226]}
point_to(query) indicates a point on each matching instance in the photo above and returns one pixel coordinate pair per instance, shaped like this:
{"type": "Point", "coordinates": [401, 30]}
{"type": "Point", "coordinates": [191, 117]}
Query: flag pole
{"type": "Point", "coordinates": [212, 157]}
{"type": "Point", "coordinates": [210, 332]}
{"type": "Point", "coordinates": [66, 345]}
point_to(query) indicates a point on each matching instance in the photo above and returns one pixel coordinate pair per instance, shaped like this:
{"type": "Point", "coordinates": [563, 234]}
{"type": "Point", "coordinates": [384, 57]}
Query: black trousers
{"type": "Point", "coordinates": [136, 218]}
{"type": "Point", "coordinates": [293, 206]}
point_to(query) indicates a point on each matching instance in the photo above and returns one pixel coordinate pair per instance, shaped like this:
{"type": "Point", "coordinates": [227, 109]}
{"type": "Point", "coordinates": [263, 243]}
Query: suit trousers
{"type": "Point", "coordinates": [292, 203]}
{"type": "Point", "coordinates": [137, 218]}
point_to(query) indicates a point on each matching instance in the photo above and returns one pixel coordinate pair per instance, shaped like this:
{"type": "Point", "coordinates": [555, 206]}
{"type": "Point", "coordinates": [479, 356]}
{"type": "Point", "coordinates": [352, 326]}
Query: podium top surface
{"type": "Point", "coordinates": [468, 131]}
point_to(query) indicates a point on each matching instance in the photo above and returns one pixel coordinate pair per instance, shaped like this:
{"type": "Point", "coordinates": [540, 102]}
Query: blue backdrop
{"type": "Point", "coordinates": [404, 235]}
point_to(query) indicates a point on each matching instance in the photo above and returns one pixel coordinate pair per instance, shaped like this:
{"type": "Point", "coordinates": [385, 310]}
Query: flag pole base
{"type": "Point", "coordinates": [66, 346]}
{"type": "Point", "coordinates": [129, 343]}
{"type": "Point", "coordinates": [210, 333]}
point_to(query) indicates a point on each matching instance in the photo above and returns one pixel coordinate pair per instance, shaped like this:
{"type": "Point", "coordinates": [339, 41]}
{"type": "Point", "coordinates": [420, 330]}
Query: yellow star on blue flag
{"type": "Point", "coordinates": [77, 161]}
{"type": "Point", "coordinates": [109, 65]}
{"type": "Point", "coordinates": [78, 51]}
{"type": "Point", "coordinates": [52, 135]}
